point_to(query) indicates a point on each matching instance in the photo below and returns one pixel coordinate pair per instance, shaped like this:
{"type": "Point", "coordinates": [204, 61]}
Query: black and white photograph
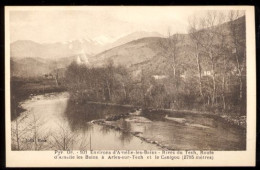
{"type": "Point", "coordinates": [128, 78]}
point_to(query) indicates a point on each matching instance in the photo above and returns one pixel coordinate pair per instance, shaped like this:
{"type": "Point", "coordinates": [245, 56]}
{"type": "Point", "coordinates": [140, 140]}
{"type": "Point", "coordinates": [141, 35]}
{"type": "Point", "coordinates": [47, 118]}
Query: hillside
{"type": "Point", "coordinates": [149, 55]}
{"type": "Point", "coordinates": [27, 48]}
{"type": "Point", "coordinates": [131, 37]}
{"type": "Point", "coordinates": [131, 53]}
{"type": "Point", "coordinates": [34, 67]}
{"type": "Point", "coordinates": [29, 67]}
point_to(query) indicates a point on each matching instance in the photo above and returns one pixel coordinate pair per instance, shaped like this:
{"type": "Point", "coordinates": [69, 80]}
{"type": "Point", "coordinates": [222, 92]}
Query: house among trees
{"type": "Point", "coordinates": [234, 50]}
{"type": "Point", "coordinates": [207, 73]}
{"type": "Point", "coordinates": [159, 77]}
{"type": "Point", "coordinates": [48, 76]}
{"type": "Point", "coordinates": [183, 75]}
{"type": "Point", "coordinates": [137, 75]}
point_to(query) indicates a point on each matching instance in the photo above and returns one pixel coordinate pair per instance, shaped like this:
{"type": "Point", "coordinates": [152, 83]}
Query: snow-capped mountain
{"type": "Point", "coordinates": [103, 40]}
{"type": "Point", "coordinates": [27, 48]}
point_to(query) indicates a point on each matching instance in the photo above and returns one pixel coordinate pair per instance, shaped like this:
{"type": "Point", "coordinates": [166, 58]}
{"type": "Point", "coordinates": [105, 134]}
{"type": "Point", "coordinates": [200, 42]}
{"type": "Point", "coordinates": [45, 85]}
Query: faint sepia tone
{"type": "Point", "coordinates": [101, 79]}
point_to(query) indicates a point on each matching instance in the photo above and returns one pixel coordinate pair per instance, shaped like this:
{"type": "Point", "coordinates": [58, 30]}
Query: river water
{"type": "Point", "coordinates": [53, 121]}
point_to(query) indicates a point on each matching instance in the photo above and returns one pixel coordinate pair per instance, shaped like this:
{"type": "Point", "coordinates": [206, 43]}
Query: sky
{"type": "Point", "coordinates": [51, 25]}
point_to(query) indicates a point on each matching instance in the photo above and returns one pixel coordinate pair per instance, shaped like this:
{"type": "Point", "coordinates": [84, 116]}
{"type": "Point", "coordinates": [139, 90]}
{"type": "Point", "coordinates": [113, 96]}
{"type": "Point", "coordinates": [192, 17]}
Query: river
{"type": "Point", "coordinates": [52, 121]}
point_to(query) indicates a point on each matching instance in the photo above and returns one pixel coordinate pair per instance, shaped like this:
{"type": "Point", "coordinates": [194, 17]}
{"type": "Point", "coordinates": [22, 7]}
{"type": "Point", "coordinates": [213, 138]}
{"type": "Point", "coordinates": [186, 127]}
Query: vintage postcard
{"type": "Point", "coordinates": [120, 86]}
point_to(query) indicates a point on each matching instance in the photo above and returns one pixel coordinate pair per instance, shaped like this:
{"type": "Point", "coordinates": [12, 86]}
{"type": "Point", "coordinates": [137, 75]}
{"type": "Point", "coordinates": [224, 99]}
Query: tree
{"type": "Point", "coordinates": [109, 79]}
{"type": "Point", "coordinates": [208, 42]}
{"type": "Point", "coordinates": [195, 35]}
{"type": "Point", "coordinates": [238, 40]}
{"type": "Point", "coordinates": [19, 132]}
{"type": "Point", "coordinates": [223, 53]}
{"type": "Point", "coordinates": [171, 48]}
{"type": "Point", "coordinates": [26, 133]}
{"type": "Point", "coordinates": [123, 82]}
{"type": "Point", "coordinates": [63, 138]}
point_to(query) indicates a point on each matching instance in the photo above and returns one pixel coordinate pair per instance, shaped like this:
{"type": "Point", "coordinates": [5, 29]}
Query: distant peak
{"type": "Point", "coordinates": [24, 41]}
{"type": "Point", "coordinates": [145, 33]}
{"type": "Point", "coordinates": [102, 39]}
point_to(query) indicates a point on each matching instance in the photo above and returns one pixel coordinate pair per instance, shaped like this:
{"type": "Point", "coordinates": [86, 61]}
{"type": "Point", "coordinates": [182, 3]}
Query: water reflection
{"type": "Point", "coordinates": [218, 135]}
{"type": "Point", "coordinates": [125, 136]}
{"type": "Point", "coordinates": [105, 130]}
{"type": "Point", "coordinates": [68, 126]}
{"type": "Point", "coordinates": [79, 114]}
{"type": "Point", "coordinates": [79, 117]}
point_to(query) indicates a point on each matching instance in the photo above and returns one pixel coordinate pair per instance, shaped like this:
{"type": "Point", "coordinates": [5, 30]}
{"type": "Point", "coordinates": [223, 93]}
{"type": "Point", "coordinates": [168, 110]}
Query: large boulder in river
{"type": "Point", "coordinates": [197, 125]}
{"type": "Point", "coordinates": [136, 113]}
{"type": "Point", "coordinates": [138, 119]}
{"type": "Point", "coordinates": [175, 119]}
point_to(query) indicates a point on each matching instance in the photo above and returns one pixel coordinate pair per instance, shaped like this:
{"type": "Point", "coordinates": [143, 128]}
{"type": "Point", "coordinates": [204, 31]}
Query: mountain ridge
{"type": "Point", "coordinates": [29, 48]}
{"type": "Point", "coordinates": [144, 53]}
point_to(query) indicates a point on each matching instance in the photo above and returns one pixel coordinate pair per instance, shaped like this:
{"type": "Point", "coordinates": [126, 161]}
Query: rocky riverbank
{"type": "Point", "coordinates": [173, 131]}
{"type": "Point", "coordinates": [139, 135]}
{"type": "Point", "coordinates": [233, 120]}
{"type": "Point", "coordinates": [238, 120]}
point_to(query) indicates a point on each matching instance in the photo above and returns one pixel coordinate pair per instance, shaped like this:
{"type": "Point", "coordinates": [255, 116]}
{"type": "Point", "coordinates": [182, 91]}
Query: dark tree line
{"type": "Point", "coordinates": [113, 84]}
